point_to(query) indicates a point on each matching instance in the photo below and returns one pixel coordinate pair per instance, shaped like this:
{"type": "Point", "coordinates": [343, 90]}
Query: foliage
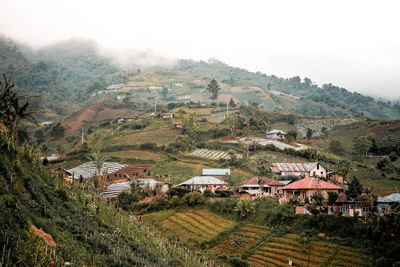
{"type": "Point", "coordinates": [193, 199]}
{"type": "Point", "coordinates": [355, 188]}
{"type": "Point", "coordinates": [245, 208]}
{"type": "Point", "coordinates": [309, 133]}
{"type": "Point", "coordinates": [14, 106]}
{"type": "Point", "coordinates": [336, 148]}
{"type": "Point", "coordinates": [214, 89]}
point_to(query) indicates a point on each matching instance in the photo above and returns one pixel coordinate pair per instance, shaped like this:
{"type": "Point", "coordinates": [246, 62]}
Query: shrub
{"type": "Point", "coordinates": [177, 191]}
{"type": "Point", "coordinates": [193, 199]}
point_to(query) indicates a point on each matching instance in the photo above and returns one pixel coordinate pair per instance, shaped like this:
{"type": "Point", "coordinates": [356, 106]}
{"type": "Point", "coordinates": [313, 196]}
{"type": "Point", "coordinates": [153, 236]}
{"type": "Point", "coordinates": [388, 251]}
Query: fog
{"type": "Point", "coordinates": [353, 44]}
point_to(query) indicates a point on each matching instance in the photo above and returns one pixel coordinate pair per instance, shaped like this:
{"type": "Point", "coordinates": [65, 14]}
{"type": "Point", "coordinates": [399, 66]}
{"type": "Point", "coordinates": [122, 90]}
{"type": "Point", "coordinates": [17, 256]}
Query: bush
{"type": "Point", "coordinates": [177, 191]}
{"type": "Point", "coordinates": [223, 193]}
{"type": "Point", "coordinates": [193, 199]}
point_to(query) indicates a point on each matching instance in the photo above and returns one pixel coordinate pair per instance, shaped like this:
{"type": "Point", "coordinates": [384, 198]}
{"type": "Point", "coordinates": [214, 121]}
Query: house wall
{"type": "Point", "coordinates": [275, 136]}
{"type": "Point", "coordinates": [131, 170]}
{"type": "Point", "coordinates": [318, 170]}
{"type": "Point", "coordinates": [294, 173]}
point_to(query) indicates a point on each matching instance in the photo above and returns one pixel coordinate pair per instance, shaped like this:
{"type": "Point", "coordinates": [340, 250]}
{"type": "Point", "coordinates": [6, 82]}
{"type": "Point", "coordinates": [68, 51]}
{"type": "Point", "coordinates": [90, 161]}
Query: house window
{"type": "Point", "coordinates": [314, 174]}
{"type": "Point", "coordinates": [115, 175]}
{"type": "Point", "coordinates": [317, 166]}
{"type": "Point", "coordinates": [322, 173]}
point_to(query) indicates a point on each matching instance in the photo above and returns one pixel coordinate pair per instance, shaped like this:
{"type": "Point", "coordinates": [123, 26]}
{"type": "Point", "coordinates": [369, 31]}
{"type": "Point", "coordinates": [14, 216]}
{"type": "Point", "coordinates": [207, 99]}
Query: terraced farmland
{"type": "Point", "coordinates": [249, 233]}
{"type": "Point", "coordinates": [279, 250]}
{"type": "Point", "coordinates": [213, 154]}
{"type": "Point", "coordinates": [391, 138]}
{"type": "Point", "coordinates": [198, 225]}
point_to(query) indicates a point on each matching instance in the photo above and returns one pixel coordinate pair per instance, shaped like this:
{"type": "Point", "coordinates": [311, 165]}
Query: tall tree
{"type": "Point", "coordinates": [14, 106]}
{"type": "Point", "coordinates": [309, 133]}
{"type": "Point", "coordinates": [214, 89]}
{"type": "Point", "coordinates": [355, 188]}
{"type": "Point", "coordinates": [98, 161]}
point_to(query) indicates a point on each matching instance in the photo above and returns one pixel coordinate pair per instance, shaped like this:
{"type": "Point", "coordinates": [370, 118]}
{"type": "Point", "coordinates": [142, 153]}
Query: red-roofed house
{"type": "Point", "coordinates": [271, 187]}
{"type": "Point", "coordinates": [307, 187]}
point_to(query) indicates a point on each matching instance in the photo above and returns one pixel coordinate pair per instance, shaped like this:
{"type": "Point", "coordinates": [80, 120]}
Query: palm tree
{"type": "Point", "coordinates": [14, 106]}
{"type": "Point", "coordinates": [98, 161]}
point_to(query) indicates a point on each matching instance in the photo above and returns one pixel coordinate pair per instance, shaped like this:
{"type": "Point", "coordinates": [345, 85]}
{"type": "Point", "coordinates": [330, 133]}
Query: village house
{"type": "Point", "coordinates": [276, 135]}
{"type": "Point", "coordinates": [306, 187]}
{"type": "Point", "coordinates": [202, 183]}
{"type": "Point", "coordinates": [388, 202]}
{"type": "Point", "coordinates": [348, 207]}
{"type": "Point", "coordinates": [113, 170]}
{"type": "Point", "coordinates": [270, 188]}
{"type": "Point", "coordinates": [314, 169]}
{"type": "Point", "coordinates": [219, 173]}
{"type": "Point", "coordinates": [250, 194]}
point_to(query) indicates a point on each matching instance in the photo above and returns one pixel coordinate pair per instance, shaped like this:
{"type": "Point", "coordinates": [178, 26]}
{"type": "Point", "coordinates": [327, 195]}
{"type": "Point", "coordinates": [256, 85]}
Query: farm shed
{"type": "Point", "coordinates": [204, 182]}
{"type": "Point", "coordinates": [113, 170]}
{"type": "Point", "coordinates": [216, 172]}
{"type": "Point", "coordinates": [276, 135]}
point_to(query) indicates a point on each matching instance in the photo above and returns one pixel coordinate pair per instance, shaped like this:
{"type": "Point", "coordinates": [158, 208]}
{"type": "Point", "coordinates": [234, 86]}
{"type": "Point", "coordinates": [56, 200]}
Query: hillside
{"type": "Point", "coordinates": [76, 226]}
{"type": "Point", "coordinates": [76, 71]}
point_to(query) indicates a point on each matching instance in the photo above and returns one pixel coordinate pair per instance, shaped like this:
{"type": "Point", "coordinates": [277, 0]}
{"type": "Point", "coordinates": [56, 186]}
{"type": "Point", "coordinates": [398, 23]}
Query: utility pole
{"type": "Point", "coordinates": [155, 105]}
{"type": "Point", "coordinates": [82, 135]}
{"type": "Point", "coordinates": [227, 109]}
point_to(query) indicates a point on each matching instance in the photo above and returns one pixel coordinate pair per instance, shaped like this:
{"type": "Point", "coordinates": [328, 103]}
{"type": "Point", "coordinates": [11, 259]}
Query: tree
{"type": "Point", "coordinates": [332, 197]}
{"type": "Point", "coordinates": [164, 92]}
{"type": "Point", "coordinates": [361, 144]}
{"type": "Point", "coordinates": [232, 103]}
{"type": "Point", "coordinates": [393, 156]}
{"type": "Point", "coordinates": [325, 132]}
{"type": "Point", "coordinates": [309, 133]}
{"type": "Point", "coordinates": [14, 106]}
{"type": "Point", "coordinates": [355, 188]}
{"type": "Point", "coordinates": [291, 136]}
{"type": "Point", "coordinates": [245, 208]}
{"type": "Point", "coordinates": [214, 89]}
{"type": "Point", "coordinates": [98, 161]}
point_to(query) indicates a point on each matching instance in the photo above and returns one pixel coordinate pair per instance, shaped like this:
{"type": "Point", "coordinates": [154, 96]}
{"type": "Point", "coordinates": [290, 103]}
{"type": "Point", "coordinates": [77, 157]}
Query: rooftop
{"type": "Point", "coordinates": [89, 169]}
{"type": "Point", "coordinates": [311, 183]}
{"type": "Point", "coordinates": [203, 180]}
{"type": "Point", "coordinates": [254, 182]}
{"type": "Point", "coordinates": [216, 172]}
{"type": "Point", "coordinates": [274, 131]}
{"type": "Point", "coordinates": [293, 167]}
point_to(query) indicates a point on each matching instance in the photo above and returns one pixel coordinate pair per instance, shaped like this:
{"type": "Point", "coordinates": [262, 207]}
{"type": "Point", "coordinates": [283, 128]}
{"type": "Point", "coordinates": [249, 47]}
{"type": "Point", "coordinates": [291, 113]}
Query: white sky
{"type": "Point", "coordinates": [353, 44]}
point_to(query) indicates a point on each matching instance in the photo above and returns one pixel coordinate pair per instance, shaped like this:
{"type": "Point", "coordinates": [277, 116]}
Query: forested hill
{"type": "Point", "coordinates": [35, 78]}
{"type": "Point", "coordinates": [295, 95]}
{"type": "Point", "coordinates": [63, 74]}
{"type": "Point", "coordinates": [68, 73]}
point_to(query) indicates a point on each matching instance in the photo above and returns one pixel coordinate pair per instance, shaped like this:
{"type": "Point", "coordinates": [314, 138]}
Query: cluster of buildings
{"type": "Point", "coordinates": [314, 178]}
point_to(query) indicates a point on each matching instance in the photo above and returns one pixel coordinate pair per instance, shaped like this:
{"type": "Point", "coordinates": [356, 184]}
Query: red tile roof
{"type": "Point", "coordinates": [268, 181]}
{"type": "Point", "coordinates": [310, 183]}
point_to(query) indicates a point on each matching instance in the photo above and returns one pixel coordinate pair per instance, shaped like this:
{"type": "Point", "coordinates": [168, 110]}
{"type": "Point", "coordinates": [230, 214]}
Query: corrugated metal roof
{"type": "Point", "coordinates": [294, 167]}
{"type": "Point", "coordinates": [286, 182]}
{"type": "Point", "coordinates": [274, 131]}
{"type": "Point", "coordinates": [216, 172]}
{"type": "Point", "coordinates": [393, 197]}
{"type": "Point", "coordinates": [252, 192]}
{"type": "Point", "coordinates": [203, 180]}
{"type": "Point", "coordinates": [88, 169]}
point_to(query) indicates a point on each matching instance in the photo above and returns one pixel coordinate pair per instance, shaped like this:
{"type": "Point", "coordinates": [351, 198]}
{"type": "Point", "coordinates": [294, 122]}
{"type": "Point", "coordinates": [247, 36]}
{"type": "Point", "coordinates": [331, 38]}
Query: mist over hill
{"type": "Point", "coordinates": [67, 74]}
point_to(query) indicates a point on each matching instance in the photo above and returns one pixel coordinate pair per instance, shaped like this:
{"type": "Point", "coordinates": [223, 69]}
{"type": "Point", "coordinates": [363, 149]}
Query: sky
{"type": "Point", "coordinates": [352, 44]}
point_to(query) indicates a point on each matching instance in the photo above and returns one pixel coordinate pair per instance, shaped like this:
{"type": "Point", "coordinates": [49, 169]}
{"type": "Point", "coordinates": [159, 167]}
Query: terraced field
{"type": "Point", "coordinates": [279, 250]}
{"type": "Point", "coordinates": [198, 225]}
{"type": "Point", "coordinates": [212, 154]}
{"type": "Point", "coordinates": [250, 234]}
{"type": "Point", "coordinates": [391, 138]}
